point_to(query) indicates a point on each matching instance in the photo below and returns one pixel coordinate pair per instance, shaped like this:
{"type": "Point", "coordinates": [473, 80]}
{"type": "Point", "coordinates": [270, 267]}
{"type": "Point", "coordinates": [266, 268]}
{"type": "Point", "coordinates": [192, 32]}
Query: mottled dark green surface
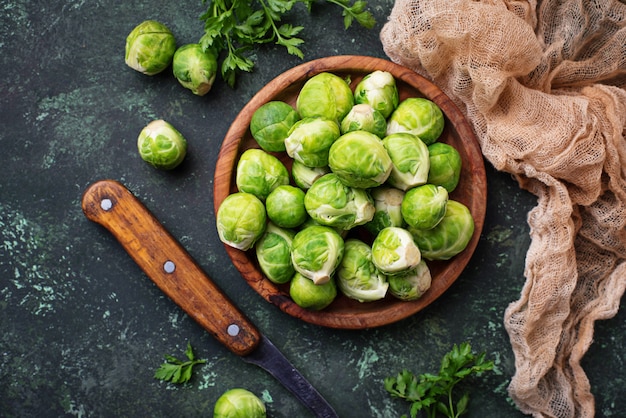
{"type": "Point", "coordinates": [82, 329]}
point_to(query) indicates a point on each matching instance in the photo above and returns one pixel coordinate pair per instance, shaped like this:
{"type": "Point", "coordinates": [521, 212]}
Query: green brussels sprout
{"type": "Point", "coordinates": [394, 250]}
{"type": "Point", "coordinates": [360, 160]}
{"type": "Point", "coordinates": [241, 220]}
{"type": "Point", "coordinates": [423, 207]}
{"type": "Point", "coordinates": [418, 116]}
{"type": "Point", "coordinates": [309, 295]}
{"type": "Point", "coordinates": [378, 89]}
{"type": "Point", "coordinates": [316, 251]}
{"type": "Point", "coordinates": [309, 140]}
{"type": "Point", "coordinates": [325, 95]}
{"type": "Point", "coordinates": [363, 117]}
{"type": "Point", "coordinates": [239, 403]}
{"type": "Point", "coordinates": [305, 176]}
{"type": "Point", "coordinates": [259, 173]}
{"type": "Point", "coordinates": [445, 165]}
{"type": "Point", "coordinates": [150, 47]}
{"type": "Point", "coordinates": [410, 160]}
{"type": "Point", "coordinates": [388, 205]}
{"type": "Point", "coordinates": [161, 145]}
{"type": "Point", "coordinates": [332, 203]}
{"type": "Point", "coordinates": [270, 125]}
{"type": "Point", "coordinates": [410, 284]}
{"type": "Point", "coordinates": [273, 251]}
{"type": "Point", "coordinates": [357, 276]}
{"type": "Point", "coordinates": [449, 237]}
{"type": "Point", "coordinates": [285, 206]}
{"type": "Point", "coordinates": [195, 68]}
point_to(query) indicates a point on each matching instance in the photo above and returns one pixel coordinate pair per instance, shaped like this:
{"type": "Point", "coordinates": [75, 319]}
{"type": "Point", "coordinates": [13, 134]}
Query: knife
{"type": "Point", "coordinates": [164, 260]}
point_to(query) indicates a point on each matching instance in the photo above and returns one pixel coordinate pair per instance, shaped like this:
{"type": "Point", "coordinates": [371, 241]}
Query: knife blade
{"type": "Point", "coordinates": [165, 261]}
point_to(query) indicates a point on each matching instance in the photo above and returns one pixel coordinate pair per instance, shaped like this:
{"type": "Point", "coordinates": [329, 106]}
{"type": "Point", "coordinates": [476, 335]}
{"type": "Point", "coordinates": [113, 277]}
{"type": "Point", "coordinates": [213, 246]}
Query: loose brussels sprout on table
{"type": "Point", "coordinates": [316, 252]}
{"type": "Point", "coordinates": [161, 145]}
{"type": "Point", "coordinates": [259, 173]}
{"type": "Point", "coordinates": [357, 275]}
{"type": "Point", "coordinates": [418, 116]}
{"type": "Point", "coordinates": [195, 68]}
{"type": "Point", "coordinates": [394, 250]}
{"type": "Point", "coordinates": [449, 237]}
{"type": "Point", "coordinates": [378, 89]}
{"type": "Point", "coordinates": [445, 165]}
{"type": "Point", "coordinates": [330, 202]}
{"type": "Point", "coordinates": [363, 117]}
{"type": "Point", "coordinates": [285, 206]}
{"type": "Point", "coordinates": [310, 139]}
{"type": "Point", "coordinates": [270, 125]}
{"type": "Point", "coordinates": [325, 95]}
{"type": "Point", "coordinates": [309, 295]}
{"type": "Point", "coordinates": [273, 252]}
{"type": "Point", "coordinates": [410, 159]}
{"type": "Point", "coordinates": [239, 403]}
{"type": "Point", "coordinates": [241, 220]}
{"type": "Point", "coordinates": [150, 47]}
{"type": "Point", "coordinates": [360, 160]}
{"type": "Point", "coordinates": [423, 207]}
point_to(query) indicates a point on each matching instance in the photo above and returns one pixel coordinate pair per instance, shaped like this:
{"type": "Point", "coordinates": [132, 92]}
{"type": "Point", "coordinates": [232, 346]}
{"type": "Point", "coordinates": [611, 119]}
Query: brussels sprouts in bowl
{"type": "Point", "coordinates": [413, 292]}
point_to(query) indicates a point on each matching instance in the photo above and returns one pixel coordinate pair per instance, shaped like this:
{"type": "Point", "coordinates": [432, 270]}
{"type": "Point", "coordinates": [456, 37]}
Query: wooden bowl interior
{"type": "Point", "coordinates": [346, 313]}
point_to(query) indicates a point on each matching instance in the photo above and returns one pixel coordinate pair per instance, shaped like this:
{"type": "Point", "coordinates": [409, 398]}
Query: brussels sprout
{"type": "Point", "coordinates": [410, 284]}
{"type": "Point", "coordinates": [259, 173]}
{"type": "Point", "coordinates": [195, 68]}
{"type": "Point", "coordinates": [445, 165]}
{"type": "Point", "coordinates": [418, 116]}
{"type": "Point", "coordinates": [150, 47]}
{"type": "Point", "coordinates": [161, 145]}
{"type": "Point", "coordinates": [305, 176]}
{"type": "Point", "coordinates": [310, 139]}
{"type": "Point", "coordinates": [332, 203]}
{"type": "Point", "coordinates": [410, 160]}
{"type": "Point", "coordinates": [394, 250]}
{"type": "Point", "coordinates": [241, 220]}
{"type": "Point", "coordinates": [363, 117]}
{"type": "Point", "coordinates": [239, 403]}
{"type": "Point", "coordinates": [388, 204]}
{"type": "Point", "coordinates": [360, 160]}
{"type": "Point", "coordinates": [285, 206]}
{"type": "Point", "coordinates": [449, 237]}
{"type": "Point", "coordinates": [325, 95]}
{"type": "Point", "coordinates": [270, 125]}
{"type": "Point", "coordinates": [378, 89]}
{"type": "Point", "coordinates": [273, 251]}
{"type": "Point", "coordinates": [357, 276]}
{"type": "Point", "coordinates": [309, 295]}
{"type": "Point", "coordinates": [423, 207]}
{"type": "Point", "coordinates": [316, 252]}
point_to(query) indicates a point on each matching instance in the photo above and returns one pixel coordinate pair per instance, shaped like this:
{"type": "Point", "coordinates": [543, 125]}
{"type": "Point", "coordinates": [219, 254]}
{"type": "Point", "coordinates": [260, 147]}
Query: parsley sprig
{"type": "Point", "coordinates": [234, 27]}
{"type": "Point", "coordinates": [434, 393]}
{"type": "Point", "coordinates": [175, 370]}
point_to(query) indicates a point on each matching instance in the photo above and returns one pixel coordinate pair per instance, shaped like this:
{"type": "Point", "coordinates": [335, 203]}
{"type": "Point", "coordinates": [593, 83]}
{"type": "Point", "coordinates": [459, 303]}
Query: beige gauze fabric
{"type": "Point", "coordinates": [544, 86]}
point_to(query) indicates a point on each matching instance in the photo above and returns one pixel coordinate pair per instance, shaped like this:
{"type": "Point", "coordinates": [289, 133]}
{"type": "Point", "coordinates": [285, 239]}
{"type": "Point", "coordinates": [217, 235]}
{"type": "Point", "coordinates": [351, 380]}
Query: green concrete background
{"type": "Point", "coordinates": [82, 329]}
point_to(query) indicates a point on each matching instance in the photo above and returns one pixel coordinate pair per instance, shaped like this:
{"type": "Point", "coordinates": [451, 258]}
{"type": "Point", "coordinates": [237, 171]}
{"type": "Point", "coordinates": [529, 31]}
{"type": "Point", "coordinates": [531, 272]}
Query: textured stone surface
{"type": "Point", "coordinates": [82, 329]}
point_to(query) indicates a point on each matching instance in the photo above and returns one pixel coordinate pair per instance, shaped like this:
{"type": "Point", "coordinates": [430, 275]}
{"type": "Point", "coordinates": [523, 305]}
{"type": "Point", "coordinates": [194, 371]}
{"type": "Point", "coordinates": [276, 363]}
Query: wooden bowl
{"type": "Point", "coordinates": [346, 313]}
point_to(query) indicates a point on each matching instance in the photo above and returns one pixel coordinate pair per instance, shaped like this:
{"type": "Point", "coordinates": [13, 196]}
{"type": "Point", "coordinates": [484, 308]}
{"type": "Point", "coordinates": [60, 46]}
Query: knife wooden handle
{"type": "Point", "coordinates": [168, 264]}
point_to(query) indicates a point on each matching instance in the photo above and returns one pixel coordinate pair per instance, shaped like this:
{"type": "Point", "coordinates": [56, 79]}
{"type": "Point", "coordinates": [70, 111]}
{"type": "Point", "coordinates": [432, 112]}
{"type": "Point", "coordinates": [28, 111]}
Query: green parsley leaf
{"type": "Point", "coordinates": [434, 393]}
{"type": "Point", "coordinates": [175, 370]}
{"type": "Point", "coordinates": [234, 27]}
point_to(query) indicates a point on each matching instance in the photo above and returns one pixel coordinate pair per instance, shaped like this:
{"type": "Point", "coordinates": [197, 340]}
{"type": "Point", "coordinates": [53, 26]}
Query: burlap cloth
{"type": "Point", "coordinates": [544, 86]}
